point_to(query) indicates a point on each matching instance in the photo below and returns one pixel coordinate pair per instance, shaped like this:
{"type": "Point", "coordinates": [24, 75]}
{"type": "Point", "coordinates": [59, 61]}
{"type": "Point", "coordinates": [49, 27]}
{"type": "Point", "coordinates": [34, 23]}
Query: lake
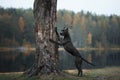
{"type": "Point", "coordinates": [21, 58]}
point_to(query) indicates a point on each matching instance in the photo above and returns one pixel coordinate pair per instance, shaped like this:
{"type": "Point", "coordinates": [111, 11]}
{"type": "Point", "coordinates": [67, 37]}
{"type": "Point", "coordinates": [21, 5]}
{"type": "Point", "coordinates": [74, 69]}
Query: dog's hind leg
{"type": "Point", "coordinates": [78, 72]}
{"type": "Point", "coordinates": [81, 72]}
{"type": "Point", "coordinates": [78, 63]}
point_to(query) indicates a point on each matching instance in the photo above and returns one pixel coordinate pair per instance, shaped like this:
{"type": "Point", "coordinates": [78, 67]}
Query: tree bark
{"type": "Point", "coordinates": [46, 59]}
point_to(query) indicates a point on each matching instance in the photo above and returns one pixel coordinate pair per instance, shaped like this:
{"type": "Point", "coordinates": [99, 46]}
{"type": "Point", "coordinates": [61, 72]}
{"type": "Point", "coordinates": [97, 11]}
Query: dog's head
{"type": "Point", "coordinates": [64, 31]}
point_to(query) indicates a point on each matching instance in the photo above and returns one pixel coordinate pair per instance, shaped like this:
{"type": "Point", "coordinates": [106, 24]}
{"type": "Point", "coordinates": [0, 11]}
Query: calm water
{"type": "Point", "coordinates": [20, 59]}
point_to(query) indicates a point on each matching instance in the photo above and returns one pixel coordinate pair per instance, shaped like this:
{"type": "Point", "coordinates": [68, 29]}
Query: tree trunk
{"type": "Point", "coordinates": [46, 59]}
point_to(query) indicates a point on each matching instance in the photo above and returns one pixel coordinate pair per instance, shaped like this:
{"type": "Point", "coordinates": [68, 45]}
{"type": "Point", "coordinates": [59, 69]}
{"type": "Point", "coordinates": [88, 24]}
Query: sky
{"type": "Point", "coordinates": [106, 7]}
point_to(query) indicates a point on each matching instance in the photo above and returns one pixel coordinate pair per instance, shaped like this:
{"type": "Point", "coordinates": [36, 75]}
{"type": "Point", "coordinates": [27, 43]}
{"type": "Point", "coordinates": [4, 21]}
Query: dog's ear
{"type": "Point", "coordinates": [67, 28]}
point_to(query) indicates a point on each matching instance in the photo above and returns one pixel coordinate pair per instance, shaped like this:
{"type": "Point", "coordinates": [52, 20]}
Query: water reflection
{"type": "Point", "coordinates": [21, 58]}
{"type": "Point", "coordinates": [14, 59]}
{"type": "Point", "coordinates": [99, 58]}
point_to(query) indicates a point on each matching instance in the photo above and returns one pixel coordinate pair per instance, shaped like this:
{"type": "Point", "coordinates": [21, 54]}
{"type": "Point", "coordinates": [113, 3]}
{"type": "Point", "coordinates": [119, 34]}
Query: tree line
{"type": "Point", "coordinates": [86, 29]}
{"type": "Point", "coordinates": [16, 27]}
{"type": "Point", "coordinates": [91, 29]}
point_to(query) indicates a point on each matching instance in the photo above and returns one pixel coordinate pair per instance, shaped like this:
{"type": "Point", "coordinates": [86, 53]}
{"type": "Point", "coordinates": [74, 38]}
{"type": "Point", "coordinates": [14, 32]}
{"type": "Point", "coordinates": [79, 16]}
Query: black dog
{"type": "Point", "coordinates": [78, 64]}
{"type": "Point", "coordinates": [68, 46]}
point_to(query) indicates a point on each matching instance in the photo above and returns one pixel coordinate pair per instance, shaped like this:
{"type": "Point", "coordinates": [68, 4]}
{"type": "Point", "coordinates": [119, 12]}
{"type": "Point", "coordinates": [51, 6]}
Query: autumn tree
{"type": "Point", "coordinates": [67, 17]}
{"type": "Point", "coordinates": [45, 57]}
{"type": "Point", "coordinates": [21, 23]}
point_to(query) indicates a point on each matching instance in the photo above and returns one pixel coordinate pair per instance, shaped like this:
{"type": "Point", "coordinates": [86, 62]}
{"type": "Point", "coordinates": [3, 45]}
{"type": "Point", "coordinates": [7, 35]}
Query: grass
{"type": "Point", "coordinates": [108, 73]}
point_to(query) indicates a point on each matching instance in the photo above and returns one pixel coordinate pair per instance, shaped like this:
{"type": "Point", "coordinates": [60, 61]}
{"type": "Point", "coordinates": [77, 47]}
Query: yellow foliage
{"type": "Point", "coordinates": [89, 38]}
{"type": "Point", "coordinates": [5, 16]}
{"type": "Point", "coordinates": [83, 23]}
{"type": "Point", "coordinates": [76, 19]}
{"type": "Point", "coordinates": [21, 24]}
{"type": "Point", "coordinates": [67, 17]}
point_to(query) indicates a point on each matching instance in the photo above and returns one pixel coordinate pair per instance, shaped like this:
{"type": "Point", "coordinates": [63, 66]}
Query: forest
{"type": "Point", "coordinates": [87, 30]}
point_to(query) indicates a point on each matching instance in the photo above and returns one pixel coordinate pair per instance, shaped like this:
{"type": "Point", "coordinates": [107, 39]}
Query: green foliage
{"type": "Point", "coordinates": [104, 29]}
{"type": "Point", "coordinates": [10, 29]}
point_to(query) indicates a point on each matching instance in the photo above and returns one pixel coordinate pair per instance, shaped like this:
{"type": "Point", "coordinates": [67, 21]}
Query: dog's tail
{"type": "Point", "coordinates": [87, 61]}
